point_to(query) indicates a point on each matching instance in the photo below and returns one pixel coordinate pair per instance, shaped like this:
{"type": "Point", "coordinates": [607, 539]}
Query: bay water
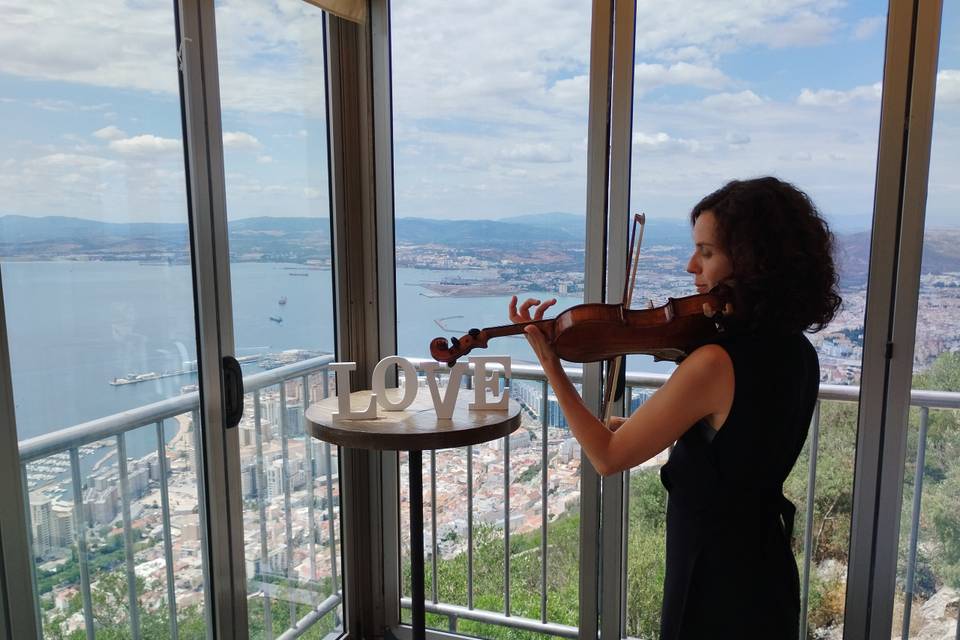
{"type": "Point", "coordinates": [74, 326]}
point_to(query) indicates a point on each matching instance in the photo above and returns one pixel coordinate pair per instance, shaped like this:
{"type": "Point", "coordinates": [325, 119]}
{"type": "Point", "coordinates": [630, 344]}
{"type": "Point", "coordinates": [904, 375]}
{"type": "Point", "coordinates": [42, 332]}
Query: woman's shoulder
{"type": "Point", "coordinates": [768, 353]}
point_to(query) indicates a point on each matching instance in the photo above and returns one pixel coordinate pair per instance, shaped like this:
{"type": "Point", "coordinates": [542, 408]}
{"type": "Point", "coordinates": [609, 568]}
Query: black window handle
{"type": "Point", "coordinates": [232, 391]}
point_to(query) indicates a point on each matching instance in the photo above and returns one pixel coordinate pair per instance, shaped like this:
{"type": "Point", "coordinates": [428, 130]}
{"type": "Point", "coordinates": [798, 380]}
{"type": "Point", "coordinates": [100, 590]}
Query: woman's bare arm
{"type": "Point", "coordinates": [701, 386]}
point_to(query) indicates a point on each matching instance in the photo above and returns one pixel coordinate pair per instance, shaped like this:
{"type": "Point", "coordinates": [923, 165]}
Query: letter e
{"type": "Point", "coordinates": [482, 384]}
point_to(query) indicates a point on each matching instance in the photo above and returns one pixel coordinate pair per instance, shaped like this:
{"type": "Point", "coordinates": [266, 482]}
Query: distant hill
{"type": "Point", "coordinates": [472, 233]}
{"type": "Point", "coordinates": [301, 239]}
{"type": "Point", "coordinates": [22, 229]}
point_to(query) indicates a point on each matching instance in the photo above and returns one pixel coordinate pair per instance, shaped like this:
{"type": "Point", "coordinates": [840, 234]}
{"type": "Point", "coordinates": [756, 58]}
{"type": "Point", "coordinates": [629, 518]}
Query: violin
{"type": "Point", "coordinates": [599, 331]}
{"type": "Point", "coordinates": [596, 331]}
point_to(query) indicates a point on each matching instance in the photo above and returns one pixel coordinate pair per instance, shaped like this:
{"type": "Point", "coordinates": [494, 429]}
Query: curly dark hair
{"type": "Point", "coordinates": [785, 280]}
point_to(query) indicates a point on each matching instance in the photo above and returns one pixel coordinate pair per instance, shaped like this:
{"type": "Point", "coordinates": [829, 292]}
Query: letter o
{"type": "Point", "coordinates": [380, 383]}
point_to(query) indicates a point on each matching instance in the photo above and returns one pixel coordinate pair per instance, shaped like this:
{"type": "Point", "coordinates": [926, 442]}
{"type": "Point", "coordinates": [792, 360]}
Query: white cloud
{"type": "Point", "coordinates": [649, 76]}
{"type": "Point", "coordinates": [866, 27]}
{"type": "Point", "coordinates": [109, 133]}
{"type": "Point", "coordinates": [264, 159]}
{"type": "Point", "coordinates": [948, 87]}
{"type": "Point", "coordinates": [240, 140]}
{"type": "Point", "coordinates": [661, 141]}
{"type": "Point", "coordinates": [692, 54]}
{"type": "Point", "coordinates": [537, 152]}
{"type": "Point", "coordinates": [146, 144]}
{"type": "Point", "coordinates": [717, 27]}
{"type": "Point", "coordinates": [834, 98]}
{"type": "Point", "coordinates": [803, 28]}
{"type": "Point", "coordinates": [52, 104]}
{"type": "Point", "coordinates": [741, 100]}
{"type": "Point", "coordinates": [70, 162]}
{"type": "Point", "coordinates": [737, 138]}
{"type": "Point", "coordinates": [796, 156]}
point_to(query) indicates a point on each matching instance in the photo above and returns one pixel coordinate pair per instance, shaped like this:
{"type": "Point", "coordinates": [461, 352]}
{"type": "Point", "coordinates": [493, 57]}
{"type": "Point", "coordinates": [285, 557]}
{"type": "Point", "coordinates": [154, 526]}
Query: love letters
{"type": "Point", "coordinates": [483, 381]}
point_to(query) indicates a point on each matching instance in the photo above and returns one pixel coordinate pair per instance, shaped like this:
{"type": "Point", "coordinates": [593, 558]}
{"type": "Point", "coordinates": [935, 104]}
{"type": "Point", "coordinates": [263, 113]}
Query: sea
{"type": "Point", "coordinates": [73, 327]}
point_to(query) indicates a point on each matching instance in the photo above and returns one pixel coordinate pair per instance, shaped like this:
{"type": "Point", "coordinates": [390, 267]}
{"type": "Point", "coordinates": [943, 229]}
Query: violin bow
{"type": "Point", "coordinates": [615, 365]}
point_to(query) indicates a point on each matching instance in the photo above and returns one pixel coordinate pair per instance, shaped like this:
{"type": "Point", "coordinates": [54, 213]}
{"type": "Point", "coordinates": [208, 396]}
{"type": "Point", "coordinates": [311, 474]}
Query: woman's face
{"type": "Point", "coordinates": [709, 264]}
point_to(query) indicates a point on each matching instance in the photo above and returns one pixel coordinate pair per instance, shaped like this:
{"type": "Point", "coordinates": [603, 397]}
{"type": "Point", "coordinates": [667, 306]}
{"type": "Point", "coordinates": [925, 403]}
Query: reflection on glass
{"type": "Point", "coordinates": [275, 156]}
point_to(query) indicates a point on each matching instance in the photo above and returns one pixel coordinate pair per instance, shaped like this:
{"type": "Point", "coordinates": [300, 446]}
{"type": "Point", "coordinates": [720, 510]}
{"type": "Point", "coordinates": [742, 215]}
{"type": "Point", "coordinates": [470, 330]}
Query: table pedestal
{"type": "Point", "coordinates": [417, 610]}
{"type": "Point", "coordinates": [414, 430]}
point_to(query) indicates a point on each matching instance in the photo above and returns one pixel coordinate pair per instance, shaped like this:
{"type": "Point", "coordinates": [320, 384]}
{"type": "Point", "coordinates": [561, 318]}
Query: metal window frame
{"type": "Point", "coordinates": [219, 473]}
{"type": "Point", "coordinates": [595, 275]}
{"type": "Point", "coordinates": [615, 488]}
{"type": "Point", "coordinates": [361, 188]}
{"type": "Point", "coordinates": [891, 313]}
{"type": "Point", "coordinates": [382, 86]}
{"type": "Point", "coordinates": [19, 616]}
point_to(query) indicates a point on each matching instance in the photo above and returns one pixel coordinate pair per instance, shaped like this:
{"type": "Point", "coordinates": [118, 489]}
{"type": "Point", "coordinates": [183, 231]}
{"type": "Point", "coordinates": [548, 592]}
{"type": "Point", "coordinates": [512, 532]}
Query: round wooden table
{"type": "Point", "coordinates": [415, 429]}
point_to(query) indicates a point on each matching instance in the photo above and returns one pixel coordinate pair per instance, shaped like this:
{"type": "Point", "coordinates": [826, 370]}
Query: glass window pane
{"type": "Point", "coordinates": [100, 318]}
{"type": "Point", "coordinates": [928, 577]}
{"type": "Point", "coordinates": [272, 88]}
{"type": "Point", "coordinates": [490, 126]}
{"type": "Point", "coordinates": [730, 91]}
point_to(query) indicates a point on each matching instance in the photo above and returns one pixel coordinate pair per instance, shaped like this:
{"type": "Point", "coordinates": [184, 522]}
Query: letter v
{"type": "Point", "coordinates": [444, 407]}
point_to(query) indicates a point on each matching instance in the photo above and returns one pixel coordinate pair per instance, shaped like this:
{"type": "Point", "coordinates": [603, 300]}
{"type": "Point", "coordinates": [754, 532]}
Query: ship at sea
{"type": "Point", "coordinates": [276, 318]}
{"type": "Point", "coordinates": [282, 301]}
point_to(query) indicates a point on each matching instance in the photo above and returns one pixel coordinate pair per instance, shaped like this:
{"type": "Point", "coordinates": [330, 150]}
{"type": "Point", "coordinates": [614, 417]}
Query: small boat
{"type": "Point", "coordinates": [282, 301]}
{"type": "Point", "coordinates": [276, 318]}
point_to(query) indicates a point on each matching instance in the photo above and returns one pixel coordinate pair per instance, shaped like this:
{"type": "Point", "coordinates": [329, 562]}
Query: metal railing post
{"type": "Point", "coordinates": [808, 520]}
{"type": "Point", "coordinates": [544, 505]}
{"type": "Point", "coordinates": [167, 541]}
{"type": "Point", "coordinates": [285, 474]}
{"type": "Point", "coordinates": [470, 527]}
{"type": "Point", "coordinates": [81, 533]}
{"type": "Point", "coordinates": [915, 521]}
{"type": "Point", "coordinates": [261, 487]}
{"type": "Point", "coordinates": [132, 594]}
{"type": "Point", "coordinates": [433, 520]}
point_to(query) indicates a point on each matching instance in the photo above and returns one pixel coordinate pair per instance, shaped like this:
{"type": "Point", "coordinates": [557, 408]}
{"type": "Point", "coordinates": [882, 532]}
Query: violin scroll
{"type": "Point", "coordinates": [442, 351]}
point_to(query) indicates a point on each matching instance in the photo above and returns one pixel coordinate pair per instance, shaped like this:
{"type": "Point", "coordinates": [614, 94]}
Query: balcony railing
{"type": "Point", "coordinates": [70, 441]}
{"type": "Point", "coordinates": [116, 427]}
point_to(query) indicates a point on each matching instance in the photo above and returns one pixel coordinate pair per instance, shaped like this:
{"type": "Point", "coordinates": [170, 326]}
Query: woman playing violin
{"type": "Point", "coordinates": [738, 409]}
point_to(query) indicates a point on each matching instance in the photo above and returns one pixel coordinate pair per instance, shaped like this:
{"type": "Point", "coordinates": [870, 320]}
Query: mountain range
{"type": "Point", "coordinates": [302, 239]}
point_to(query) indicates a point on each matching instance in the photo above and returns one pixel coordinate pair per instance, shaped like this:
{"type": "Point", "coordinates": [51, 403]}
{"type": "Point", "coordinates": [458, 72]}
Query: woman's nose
{"type": "Point", "coordinates": [692, 265]}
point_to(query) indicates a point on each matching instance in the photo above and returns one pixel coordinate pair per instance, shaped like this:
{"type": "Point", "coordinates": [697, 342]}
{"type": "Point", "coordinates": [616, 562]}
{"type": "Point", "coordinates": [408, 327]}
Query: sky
{"type": "Point", "coordinates": [489, 101]}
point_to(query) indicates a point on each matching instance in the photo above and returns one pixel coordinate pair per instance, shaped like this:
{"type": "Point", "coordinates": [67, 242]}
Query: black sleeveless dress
{"type": "Point", "coordinates": [730, 572]}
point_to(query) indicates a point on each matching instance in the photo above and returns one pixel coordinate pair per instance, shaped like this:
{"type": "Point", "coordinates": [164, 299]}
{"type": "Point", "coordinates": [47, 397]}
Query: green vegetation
{"type": "Point", "coordinates": [111, 614]}
{"type": "Point", "coordinates": [102, 558]}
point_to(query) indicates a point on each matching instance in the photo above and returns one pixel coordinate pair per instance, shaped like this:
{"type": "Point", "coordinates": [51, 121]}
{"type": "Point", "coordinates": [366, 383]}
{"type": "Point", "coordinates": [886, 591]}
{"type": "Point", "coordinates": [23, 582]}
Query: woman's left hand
{"type": "Point", "coordinates": [543, 349]}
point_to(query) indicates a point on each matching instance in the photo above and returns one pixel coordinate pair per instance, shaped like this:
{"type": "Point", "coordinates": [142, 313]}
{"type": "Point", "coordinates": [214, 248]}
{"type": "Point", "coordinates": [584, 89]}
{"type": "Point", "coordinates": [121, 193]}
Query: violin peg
{"type": "Point", "coordinates": [708, 310]}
